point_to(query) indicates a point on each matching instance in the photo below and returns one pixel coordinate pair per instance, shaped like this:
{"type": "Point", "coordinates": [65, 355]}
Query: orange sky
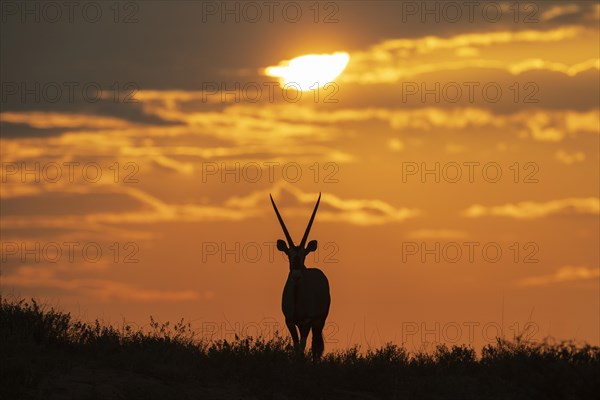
{"type": "Point", "coordinates": [458, 164]}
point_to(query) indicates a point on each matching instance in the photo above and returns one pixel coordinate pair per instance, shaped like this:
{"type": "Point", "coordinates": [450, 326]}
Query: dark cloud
{"type": "Point", "coordinates": [53, 204]}
{"type": "Point", "coordinates": [170, 47]}
{"type": "Point", "coordinates": [15, 131]}
{"type": "Point", "coordinates": [548, 90]}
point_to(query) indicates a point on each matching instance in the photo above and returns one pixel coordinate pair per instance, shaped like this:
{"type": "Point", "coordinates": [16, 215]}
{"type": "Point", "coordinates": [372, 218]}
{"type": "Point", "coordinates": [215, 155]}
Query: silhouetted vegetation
{"type": "Point", "coordinates": [46, 354]}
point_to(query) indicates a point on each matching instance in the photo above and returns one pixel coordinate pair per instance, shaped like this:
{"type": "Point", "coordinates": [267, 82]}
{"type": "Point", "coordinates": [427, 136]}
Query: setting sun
{"type": "Point", "coordinates": [311, 71]}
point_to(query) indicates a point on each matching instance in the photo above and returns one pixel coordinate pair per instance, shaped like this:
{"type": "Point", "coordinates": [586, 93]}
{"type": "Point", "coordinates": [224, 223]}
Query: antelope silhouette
{"type": "Point", "coordinates": [306, 298]}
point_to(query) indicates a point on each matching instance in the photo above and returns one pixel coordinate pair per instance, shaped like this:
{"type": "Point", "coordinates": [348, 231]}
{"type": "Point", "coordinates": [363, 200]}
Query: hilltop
{"type": "Point", "coordinates": [47, 354]}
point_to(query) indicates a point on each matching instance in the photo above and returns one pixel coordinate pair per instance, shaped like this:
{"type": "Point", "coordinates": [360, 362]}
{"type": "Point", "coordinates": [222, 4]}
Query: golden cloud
{"type": "Point", "coordinates": [559, 10]}
{"type": "Point", "coordinates": [103, 289]}
{"type": "Point", "coordinates": [532, 209]}
{"type": "Point", "coordinates": [253, 205]}
{"type": "Point", "coordinates": [567, 273]}
{"type": "Point", "coordinates": [448, 234]}
{"type": "Point", "coordinates": [395, 59]}
{"type": "Point", "coordinates": [332, 208]}
{"type": "Point", "coordinates": [46, 120]}
{"type": "Point", "coordinates": [569, 158]}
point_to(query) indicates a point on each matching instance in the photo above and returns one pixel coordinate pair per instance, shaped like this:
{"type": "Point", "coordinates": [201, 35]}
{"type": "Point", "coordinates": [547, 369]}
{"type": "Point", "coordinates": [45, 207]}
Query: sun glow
{"type": "Point", "coordinates": [311, 71]}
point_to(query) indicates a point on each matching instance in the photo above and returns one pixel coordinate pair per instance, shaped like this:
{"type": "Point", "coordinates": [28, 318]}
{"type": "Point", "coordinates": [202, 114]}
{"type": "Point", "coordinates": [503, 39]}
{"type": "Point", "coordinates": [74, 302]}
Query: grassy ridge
{"type": "Point", "coordinates": [46, 354]}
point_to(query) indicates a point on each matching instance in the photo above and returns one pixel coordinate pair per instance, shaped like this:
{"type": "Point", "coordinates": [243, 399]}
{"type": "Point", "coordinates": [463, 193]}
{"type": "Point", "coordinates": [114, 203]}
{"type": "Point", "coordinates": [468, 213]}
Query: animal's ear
{"type": "Point", "coordinates": [312, 246]}
{"type": "Point", "coordinates": [282, 246]}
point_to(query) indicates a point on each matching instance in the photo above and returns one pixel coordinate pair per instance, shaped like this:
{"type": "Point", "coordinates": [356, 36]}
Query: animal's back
{"type": "Point", "coordinates": [306, 295]}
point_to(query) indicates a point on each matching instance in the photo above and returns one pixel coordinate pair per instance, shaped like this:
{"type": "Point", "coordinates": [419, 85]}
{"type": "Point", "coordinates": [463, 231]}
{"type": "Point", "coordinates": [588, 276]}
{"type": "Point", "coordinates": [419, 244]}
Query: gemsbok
{"type": "Point", "coordinates": [306, 298]}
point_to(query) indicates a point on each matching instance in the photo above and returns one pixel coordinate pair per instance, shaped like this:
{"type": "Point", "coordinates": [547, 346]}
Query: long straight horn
{"type": "Point", "coordinates": [312, 218]}
{"type": "Point", "coordinates": [285, 231]}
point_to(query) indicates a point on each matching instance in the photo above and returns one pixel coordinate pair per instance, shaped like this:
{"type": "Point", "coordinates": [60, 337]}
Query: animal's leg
{"type": "Point", "coordinates": [318, 345]}
{"type": "Point", "coordinates": [304, 330]}
{"type": "Point", "coordinates": [294, 332]}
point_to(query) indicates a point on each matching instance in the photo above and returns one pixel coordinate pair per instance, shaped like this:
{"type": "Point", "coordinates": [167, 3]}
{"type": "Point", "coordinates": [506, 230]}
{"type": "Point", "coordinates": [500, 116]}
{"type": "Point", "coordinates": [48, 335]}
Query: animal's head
{"type": "Point", "coordinates": [296, 254]}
